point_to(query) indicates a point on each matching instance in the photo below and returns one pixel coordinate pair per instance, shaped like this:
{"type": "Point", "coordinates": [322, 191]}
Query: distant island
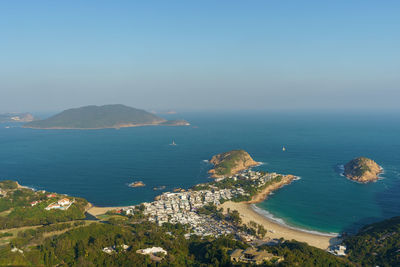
{"type": "Point", "coordinates": [230, 163]}
{"type": "Point", "coordinates": [16, 117]}
{"type": "Point", "coordinates": [101, 117]}
{"type": "Point", "coordinates": [362, 170]}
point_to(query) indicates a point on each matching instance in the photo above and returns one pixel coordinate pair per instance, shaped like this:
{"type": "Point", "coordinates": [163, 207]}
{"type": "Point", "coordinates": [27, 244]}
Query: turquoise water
{"type": "Point", "coordinates": [98, 165]}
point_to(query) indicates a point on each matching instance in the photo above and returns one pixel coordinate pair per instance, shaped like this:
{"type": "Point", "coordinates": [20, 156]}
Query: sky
{"type": "Point", "coordinates": [199, 55]}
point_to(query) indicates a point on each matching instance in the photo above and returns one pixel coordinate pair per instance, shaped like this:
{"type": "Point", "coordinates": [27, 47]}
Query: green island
{"type": "Point", "coordinates": [362, 170]}
{"type": "Point", "coordinates": [230, 163]}
{"type": "Point", "coordinates": [101, 117]}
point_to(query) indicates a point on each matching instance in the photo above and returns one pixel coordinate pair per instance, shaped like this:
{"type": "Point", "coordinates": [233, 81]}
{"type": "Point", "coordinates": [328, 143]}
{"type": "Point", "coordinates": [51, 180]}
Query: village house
{"type": "Point", "coordinates": [34, 203]}
{"type": "Point", "coordinates": [252, 255]}
{"type": "Point", "coordinates": [152, 253]}
{"type": "Point", "coordinates": [62, 204]}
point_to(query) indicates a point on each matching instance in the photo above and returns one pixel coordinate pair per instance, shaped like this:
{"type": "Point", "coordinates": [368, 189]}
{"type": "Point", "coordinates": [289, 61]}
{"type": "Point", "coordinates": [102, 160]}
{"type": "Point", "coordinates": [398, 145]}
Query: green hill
{"type": "Point", "coordinates": [376, 244]}
{"type": "Point", "coordinates": [99, 117]}
{"type": "Point", "coordinates": [231, 162]}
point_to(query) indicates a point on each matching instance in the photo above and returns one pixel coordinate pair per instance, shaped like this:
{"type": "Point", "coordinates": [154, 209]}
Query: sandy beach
{"type": "Point", "coordinates": [276, 230]}
{"type": "Point", "coordinates": [95, 211]}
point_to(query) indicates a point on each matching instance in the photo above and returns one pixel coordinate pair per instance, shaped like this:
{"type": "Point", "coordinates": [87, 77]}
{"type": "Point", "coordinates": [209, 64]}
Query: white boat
{"type": "Point", "coordinates": [283, 148]}
{"type": "Point", "coordinates": [173, 143]}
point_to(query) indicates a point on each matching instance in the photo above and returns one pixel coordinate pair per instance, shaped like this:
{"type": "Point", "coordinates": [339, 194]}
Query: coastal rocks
{"type": "Point", "coordinates": [230, 163]}
{"type": "Point", "coordinates": [137, 184]}
{"type": "Point", "coordinates": [362, 170]}
{"type": "Point", "coordinates": [178, 190]}
{"type": "Point", "coordinates": [157, 188]}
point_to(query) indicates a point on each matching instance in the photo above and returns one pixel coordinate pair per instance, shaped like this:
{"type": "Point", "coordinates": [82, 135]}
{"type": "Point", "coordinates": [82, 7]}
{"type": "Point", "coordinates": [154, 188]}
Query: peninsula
{"type": "Point", "coordinates": [362, 170]}
{"type": "Point", "coordinates": [101, 117]}
{"type": "Point", "coordinates": [230, 163]}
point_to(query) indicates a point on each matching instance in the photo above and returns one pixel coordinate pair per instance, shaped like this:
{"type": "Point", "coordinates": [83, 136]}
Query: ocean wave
{"type": "Point", "coordinates": [340, 168]}
{"type": "Point", "coordinates": [280, 221]}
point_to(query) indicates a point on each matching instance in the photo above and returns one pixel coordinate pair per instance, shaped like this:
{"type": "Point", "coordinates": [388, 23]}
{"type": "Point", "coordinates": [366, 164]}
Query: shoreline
{"type": "Point", "coordinates": [277, 230]}
{"type": "Point", "coordinates": [280, 221]}
{"type": "Point", "coordinates": [248, 212]}
{"type": "Point", "coordinates": [263, 195]}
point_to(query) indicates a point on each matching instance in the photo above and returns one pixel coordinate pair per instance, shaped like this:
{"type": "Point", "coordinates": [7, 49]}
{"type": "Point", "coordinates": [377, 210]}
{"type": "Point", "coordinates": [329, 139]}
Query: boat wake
{"type": "Point", "coordinates": [280, 221]}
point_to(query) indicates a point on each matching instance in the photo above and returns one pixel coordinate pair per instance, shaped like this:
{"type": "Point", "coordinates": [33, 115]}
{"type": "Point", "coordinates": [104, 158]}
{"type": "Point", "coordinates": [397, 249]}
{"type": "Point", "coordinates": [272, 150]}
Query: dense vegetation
{"type": "Point", "coordinates": [97, 117]}
{"type": "Point", "coordinates": [300, 254]}
{"type": "Point", "coordinates": [225, 162]}
{"type": "Point", "coordinates": [376, 244]}
{"type": "Point", "coordinates": [82, 246]}
{"type": "Point", "coordinates": [16, 209]}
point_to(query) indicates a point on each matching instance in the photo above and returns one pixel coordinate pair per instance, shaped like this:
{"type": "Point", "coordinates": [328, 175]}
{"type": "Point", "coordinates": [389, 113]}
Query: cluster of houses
{"type": "Point", "coordinates": [180, 207]}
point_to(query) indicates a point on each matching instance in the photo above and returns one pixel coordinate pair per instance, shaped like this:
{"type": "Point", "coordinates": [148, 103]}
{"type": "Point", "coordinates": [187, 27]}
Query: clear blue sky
{"type": "Point", "coordinates": [200, 54]}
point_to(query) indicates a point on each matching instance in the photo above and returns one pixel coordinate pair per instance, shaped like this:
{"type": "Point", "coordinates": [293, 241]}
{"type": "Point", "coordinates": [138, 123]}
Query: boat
{"type": "Point", "coordinates": [173, 143]}
{"type": "Point", "coordinates": [283, 148]}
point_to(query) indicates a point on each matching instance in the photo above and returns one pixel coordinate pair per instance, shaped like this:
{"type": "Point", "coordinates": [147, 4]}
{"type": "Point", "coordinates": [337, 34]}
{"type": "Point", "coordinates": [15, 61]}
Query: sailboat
{"type": "Point", "coordinates": [283, 148]}
{"type": "Point", "coordinates": [173, 143]}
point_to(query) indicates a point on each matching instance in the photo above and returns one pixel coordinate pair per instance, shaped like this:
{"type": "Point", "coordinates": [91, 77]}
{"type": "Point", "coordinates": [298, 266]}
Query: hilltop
{"type": "Point", "coordinates": [230, 163]}
{"type": "Point", "coordinates": [362, 170]}
{"type": "Point", "coordinates": [100, 117]}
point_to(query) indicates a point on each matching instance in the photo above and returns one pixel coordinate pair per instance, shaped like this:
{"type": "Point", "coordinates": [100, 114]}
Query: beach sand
{"type": "Point", "coordinates": [95, 211]}
{"type": "Point", "coordinates": [278, 231]}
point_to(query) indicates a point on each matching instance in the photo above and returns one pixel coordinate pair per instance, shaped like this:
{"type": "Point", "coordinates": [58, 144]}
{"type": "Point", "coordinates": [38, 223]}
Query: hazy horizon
{"type": "Point", "coordinates": [203, 55]}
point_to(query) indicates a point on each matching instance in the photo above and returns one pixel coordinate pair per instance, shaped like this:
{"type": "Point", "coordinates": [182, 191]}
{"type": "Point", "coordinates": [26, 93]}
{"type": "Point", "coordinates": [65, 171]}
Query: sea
{"type": "Point", "coordinates": [99, 164]}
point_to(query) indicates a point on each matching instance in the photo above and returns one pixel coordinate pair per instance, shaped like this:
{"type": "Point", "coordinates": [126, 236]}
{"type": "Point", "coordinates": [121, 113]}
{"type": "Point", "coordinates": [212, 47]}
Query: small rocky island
{"type": "Point", "coordinates": [136, 184]}
{"type": "Point", "coordinates": [362, 170]}
{"type": "Point", "coordinates": [230, 163]}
